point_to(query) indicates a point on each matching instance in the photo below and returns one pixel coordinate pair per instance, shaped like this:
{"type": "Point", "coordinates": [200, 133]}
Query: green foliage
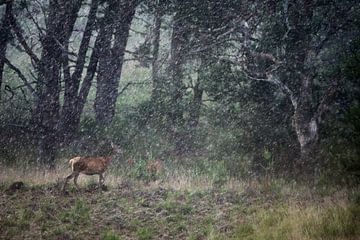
{"type": "Point", "coordinates": [145, 169]}
{"type": "Point", "coordinates": [353, 121]}
{"type": "Point", "coordinates": [341, 148]}
{"type": "Point", "coordinates": [139, 170]}
{"type": "Point", "coordinates": [219, 173]}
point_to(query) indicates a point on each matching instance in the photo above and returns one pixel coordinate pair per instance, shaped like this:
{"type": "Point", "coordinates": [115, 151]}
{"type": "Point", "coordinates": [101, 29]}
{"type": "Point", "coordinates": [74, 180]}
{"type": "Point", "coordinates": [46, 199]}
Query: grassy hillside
{"type": "Point", "coordinates": [173, 207]}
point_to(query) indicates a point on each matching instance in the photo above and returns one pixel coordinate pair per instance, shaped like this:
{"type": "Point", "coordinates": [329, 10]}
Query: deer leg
{"type": "Point", "coordinates": [101, 181]}
{"type": "Point", "coordinates": [75, 180]}
{"type": "Point", "coordinates": [67, 179]}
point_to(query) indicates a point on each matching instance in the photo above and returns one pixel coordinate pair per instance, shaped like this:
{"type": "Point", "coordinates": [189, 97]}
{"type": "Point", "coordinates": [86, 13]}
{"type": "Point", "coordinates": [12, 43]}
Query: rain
{"type": "Point", "coordinates": [169, 119]}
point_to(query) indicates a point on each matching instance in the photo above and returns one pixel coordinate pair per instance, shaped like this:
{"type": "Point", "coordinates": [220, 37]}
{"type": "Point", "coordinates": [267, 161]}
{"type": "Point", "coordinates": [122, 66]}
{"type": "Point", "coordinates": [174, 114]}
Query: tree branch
{"type": "Point", "coordinates": [270, 78]}
{"type": "Point", "coordinates": [22, 40]}
{"type": "Point", "coordinates": [34, 21]}
{"type": "Point", "coordinates": [85, 42]}
{"type": "Point", "coordinates": [129, 84]}
{"type": "Point", "coordinates": [21, 76]}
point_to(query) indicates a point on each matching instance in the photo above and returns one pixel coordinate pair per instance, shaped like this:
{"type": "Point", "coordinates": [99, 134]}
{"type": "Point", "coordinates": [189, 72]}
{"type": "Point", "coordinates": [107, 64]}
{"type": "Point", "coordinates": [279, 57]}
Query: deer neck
{"type": "Point", "coordinates": [108, 159]}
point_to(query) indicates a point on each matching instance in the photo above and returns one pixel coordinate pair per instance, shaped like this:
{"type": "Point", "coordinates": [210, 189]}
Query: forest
{"type": "Point", "coordinates": [199, 119]}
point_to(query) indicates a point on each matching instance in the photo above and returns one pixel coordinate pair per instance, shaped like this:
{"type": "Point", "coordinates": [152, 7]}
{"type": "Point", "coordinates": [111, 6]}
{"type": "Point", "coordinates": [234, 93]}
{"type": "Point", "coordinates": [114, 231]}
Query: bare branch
{"type": "Point", "coordinates": [7, 88]}
{"type": "Point", "coordinates": [138, 32]}
{"type": "Point", "coordinates": [41, 33]}
{"type": "Point", "coordinates": [21, 76]}
{"type": "Point", "coordinates": [22, 40]}
{"type": "Point", "coordinates": [85, 42]}
{"type": "Point", "coordinates": [132, 83]}
{"type": "Point", "coordinates": [287, 22]}
{"type": "Point", "coordinates": [271, 78]}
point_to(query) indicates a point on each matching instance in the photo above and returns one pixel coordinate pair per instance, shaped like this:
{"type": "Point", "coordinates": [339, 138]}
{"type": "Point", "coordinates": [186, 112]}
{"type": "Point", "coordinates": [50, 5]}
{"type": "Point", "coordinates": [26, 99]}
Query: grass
{"type": "Point", "coordinates": [177, 206]}
{"type": "Point", "coordinates": [110, 235]}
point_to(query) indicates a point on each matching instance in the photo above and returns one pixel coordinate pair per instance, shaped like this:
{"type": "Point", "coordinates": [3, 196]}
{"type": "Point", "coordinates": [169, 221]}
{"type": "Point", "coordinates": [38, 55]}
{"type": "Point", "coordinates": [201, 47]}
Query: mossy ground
{"type": "Point", "coordinates": [135, 210]}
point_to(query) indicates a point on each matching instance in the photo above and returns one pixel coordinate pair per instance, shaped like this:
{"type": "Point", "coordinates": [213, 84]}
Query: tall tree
{"type": "Point", "coordinates": [290, 49]}
{"type": "Point", "coordinates": [60, 22]}
{"type": "Point", "coordinates": [200, 28]}
{"type": "Point", "coordinates": [60, 19]}
{"type": "Point", "coordinates": [118, 17]}
{"type": "Point", "coordinates": [5, 35]}
{"type": "Point", "coordinates": [179, 47]}
{"type": "Point", "coordinates": [157, 86]}
{"type": "Point", "coordinates": [74, 96]}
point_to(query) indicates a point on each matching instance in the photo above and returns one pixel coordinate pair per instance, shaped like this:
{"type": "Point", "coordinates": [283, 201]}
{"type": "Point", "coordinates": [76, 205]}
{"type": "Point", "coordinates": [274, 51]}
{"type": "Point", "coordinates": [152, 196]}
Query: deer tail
{"type": "Point", "coordinates": [73, 161]}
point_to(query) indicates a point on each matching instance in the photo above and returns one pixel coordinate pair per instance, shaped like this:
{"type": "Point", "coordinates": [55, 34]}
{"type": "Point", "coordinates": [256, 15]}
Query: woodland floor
{"type": "Point", "coordinates": [134, 210]}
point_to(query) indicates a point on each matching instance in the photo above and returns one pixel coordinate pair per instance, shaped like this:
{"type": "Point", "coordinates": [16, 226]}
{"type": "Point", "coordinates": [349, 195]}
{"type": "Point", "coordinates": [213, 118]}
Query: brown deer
{"type": "Point", "coordinates": [154, 166]}
{"type": "Point", "coordinates": [90, 166]}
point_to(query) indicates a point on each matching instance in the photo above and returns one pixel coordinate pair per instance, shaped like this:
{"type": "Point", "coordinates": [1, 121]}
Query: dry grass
{"type": "Point", "coordinates": [177, 180]}
{"type": "Point", "coordinates": [178, 205]}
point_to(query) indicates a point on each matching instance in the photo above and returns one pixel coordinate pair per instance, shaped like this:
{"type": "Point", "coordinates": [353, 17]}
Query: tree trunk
{"type": "Point", "coordinates": [5, 35]}
{"type": "Point", "coordinates": [194, 114]}
{"type": "Point", "coordinates": [307, 135]}
{"type": "Point", "coordinates": [70, 117]}
{"type": "Point", "coordinates": [61, 18]}
{"type": "Point", "coordinates": [157, 86]}
{"type": "Point", "coordinates": [305, 124]}
{"type": "Point", "coordinates": [179, 42]}
{"type": "Point", "coordinates": [111, 57]}
{"type": "Point", "coordinates": [299, 62]}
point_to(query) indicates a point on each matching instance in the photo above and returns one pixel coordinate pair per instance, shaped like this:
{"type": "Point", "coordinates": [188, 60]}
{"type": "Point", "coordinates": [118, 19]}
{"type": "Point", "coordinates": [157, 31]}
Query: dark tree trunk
{"type": "Point", "coordinates": [306, 126]}
{"type": "Point", "coordinates": [70, 116]}
{"type": "Point", "coordinates": [5, 35]}
{"type": "Point", "coordinates": [157, 86]}
{"type": "Point", "coordinates": [179, 42]}
{"type": "Point", "coordinates": [118, 17]}
{"type": "Point", "coordinates": [306, 121]}
{"type": "Point", "coordinates": [60, 21]}
{"type": "Point", "coordinates": [90, 74]}
{"type": "Point", "coordinates": [299, 60]}
{"type": "Point", "coordinates": [194, 116]}
{"type": "Point", "coordinates": [195, 107]}
{"type": "Point", "coordinates": [86, 85]}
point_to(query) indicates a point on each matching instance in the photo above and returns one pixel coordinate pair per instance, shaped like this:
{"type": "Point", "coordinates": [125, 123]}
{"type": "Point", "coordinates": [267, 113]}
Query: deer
{"type": "Point", "coordinates": [154, 166]}
{"type": "Point", "coordinates": [90, 166]}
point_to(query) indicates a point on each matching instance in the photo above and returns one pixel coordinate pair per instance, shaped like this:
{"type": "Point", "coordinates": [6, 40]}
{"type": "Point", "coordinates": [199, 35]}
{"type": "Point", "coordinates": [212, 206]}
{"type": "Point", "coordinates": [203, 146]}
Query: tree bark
{"type": "Point", "coordinates": [118, 16]}
{"type": "Point", "coordinates": [60, 22]}
{"type": "Point", "coordinates": [179, 46]}
{"type": "Point", "coordinates": [157, 86]}
{"type": "Point", "coordinates": [5, 36]}
{"type": "Point", "coordinates": [194, 114]}
{"type": "Point", "coordinates": [299, 61]}
{"type": "Point", "coordinates": [70, 116]}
